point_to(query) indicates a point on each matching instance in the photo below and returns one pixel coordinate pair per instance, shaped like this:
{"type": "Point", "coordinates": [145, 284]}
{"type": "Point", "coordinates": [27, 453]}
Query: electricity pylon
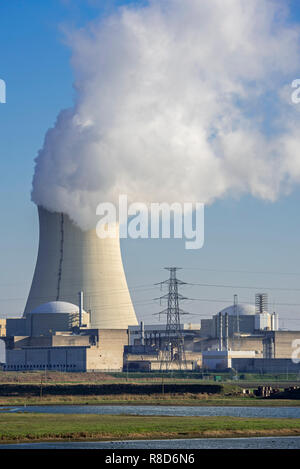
{"type": "Point", "coordinates": [173, 349]}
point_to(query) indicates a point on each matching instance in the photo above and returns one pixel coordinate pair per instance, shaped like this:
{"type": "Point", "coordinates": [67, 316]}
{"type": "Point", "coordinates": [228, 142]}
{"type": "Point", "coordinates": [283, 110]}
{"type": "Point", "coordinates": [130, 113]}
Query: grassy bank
{"type": "Point", "coordinates": [50, 427]}
{"type": "Point", "coordinates": [54, 388]}
{"type": "Point", "coordinates": [157, 400]}
{"type": "Point", "coordinates": [60, 377]}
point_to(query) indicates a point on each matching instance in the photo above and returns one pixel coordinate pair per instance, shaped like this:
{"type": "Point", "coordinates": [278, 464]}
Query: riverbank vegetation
{"type": "Point", "coordinates": [54, 388]}
{"type": "Point", "coordinates": [61, 377]}
{"type": "Point", "coordinates": [157, 400]}
{"type": "Point", "coordinates": [21, 427]}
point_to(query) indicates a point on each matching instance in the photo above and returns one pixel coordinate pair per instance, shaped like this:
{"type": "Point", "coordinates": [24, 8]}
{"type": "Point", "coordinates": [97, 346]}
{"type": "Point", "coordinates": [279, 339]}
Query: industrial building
{"type": "Point", "coordinates": [62, 329]}
{"type": "Point", "coordinates": [279, 344]}
{"type": "Point", "coordinates": [146, 343]}
{"type": "Point", "coordinates": [51, 337]}
{"type": "Point", "coordinates": [222, 359]}
{"type": "Point", "coordinates": [243, 319]}
{"type": "Point", "coordinates": [79, 317]}
{"type": "Point", "coordinates": [59, 336]}
{"type": "Point", "coordinates": [240, 336]}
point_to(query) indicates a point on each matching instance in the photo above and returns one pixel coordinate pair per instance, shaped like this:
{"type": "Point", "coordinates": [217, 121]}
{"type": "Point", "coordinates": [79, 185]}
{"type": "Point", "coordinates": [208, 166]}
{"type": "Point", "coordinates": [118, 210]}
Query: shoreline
{"type": "Point", "coordinates": [34, 427]}
{"type": "Point", "coordinates": [164, 436]}
{"type": "Point", "coordinates": [151, 401]}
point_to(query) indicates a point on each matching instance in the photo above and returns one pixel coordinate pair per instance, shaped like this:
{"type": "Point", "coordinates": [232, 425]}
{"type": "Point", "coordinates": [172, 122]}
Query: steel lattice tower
{"type": "Point", "coordinates": [174, 347]}
{"type": "Point", "coordinates": [261, 303]}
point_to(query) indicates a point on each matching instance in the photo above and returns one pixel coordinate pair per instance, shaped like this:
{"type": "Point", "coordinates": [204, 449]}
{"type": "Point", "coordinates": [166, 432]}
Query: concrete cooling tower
{"type": "Point", "coordinates": [71, 260]}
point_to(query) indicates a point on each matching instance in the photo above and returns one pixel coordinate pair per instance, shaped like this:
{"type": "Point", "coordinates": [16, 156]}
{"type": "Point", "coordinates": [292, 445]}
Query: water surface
{"type": "Point", "coordinates": [196, 443]}
{"type": "Point", "coordinates": [179, 411]}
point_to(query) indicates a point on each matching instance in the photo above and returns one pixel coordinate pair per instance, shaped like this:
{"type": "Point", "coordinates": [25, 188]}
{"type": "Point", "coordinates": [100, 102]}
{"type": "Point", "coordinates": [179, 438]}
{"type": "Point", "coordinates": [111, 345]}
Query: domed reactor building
{"type": "Point", "coordinates": [79, 307]}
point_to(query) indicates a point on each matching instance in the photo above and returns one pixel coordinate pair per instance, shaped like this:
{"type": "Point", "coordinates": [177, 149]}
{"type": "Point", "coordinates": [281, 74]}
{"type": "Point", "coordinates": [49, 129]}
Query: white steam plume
{"type": "Point", "coordinates": [176, 101]}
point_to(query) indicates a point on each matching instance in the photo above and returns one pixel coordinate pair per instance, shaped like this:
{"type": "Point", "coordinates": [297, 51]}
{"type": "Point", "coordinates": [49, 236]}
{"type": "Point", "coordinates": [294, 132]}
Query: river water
{"type": "Point", "coordinates": [179, 411]}
{"type": "Point", "coordinates": [194, 443]}
{"type": "Point", "coordinates": [197, 443]}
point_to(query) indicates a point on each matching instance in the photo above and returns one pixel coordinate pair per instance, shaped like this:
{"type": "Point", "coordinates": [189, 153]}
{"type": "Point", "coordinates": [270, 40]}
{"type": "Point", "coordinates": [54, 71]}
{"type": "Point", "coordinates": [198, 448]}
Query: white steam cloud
{"type": "Point", "coordinates": [176, 101]}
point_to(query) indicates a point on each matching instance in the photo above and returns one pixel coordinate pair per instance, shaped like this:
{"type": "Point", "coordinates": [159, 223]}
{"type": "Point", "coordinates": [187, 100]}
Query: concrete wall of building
{"type": "Point", "coordinates": [139, 365]}
{"type": "Point", "coordinates": [70, 340]}
{"type": "Point", "coordinates": [246, 324]}
{"type": "Point", "coordinates": [215, 363]}
{"type": "Point", "coordinates": [136, 357]}
{"type": "Point", "coordinates": [247, 343]}
{"type": "Point", "coordinates": [194, 357]}
{"type": "Point", "coordinates": [94, 350]}
{"type": "Point", "coordinates": [283, 341]}
{"type": "Point", "coordinates": [2, 327]}
{"type": "Point", "coordinates": [156, 366]}
{"type": "Point", "coordinates": [17, 326]}
{"type": "Point", "coordinates": [59, 359]}
{"type": "Point", "coordinates": [205, 344]}
{"type": "Point", "coordinates": [47, 324]}
{"type": "Point", "coordinates": [21, 342]}
{"type": "Point", "coordinates": [280, 344]}
{"type": "Point", "coordinates": [15, 359]}
{"type": "Point", "coordinates": [41, 324]}
{"type": "Point", "coordinates": [207, 328]}
{"type": "Point", "coordinates": [50, 341]}
{"type": "Point", "coordinates": [147, 362]}
{"type": "Point", "coordinates": [213, 360]}
{"type": "Point", "coordinates": [108, 355]}
{"type": "Point", "coordinates": [263, 321]}
{"type": "Point", "coordinates": [242, 343]}
{"type": "Point", "coordinates": [262, 365]}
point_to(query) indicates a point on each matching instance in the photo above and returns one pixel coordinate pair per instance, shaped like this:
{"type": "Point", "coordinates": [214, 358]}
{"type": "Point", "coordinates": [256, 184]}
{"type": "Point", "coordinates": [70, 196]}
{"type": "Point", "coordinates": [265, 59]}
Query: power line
{"type": "Point", "coordinates": [199, 269]}
{"type": "Point", "coordinates": [88, 293]}
{"type": "Point", "coordinates": [243, 286]}
{"type": "Point", "coordinates": [243, 271]}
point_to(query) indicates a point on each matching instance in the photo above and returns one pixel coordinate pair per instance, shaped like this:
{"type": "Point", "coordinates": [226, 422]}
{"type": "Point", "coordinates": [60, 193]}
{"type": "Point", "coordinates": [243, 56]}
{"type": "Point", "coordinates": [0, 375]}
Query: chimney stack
{"type": "Point", "coordinates": [80, 294]}
{"type": "Point", "coordinates": [226, 332]}
{"type": "Point", "coordinates": [220, 332]}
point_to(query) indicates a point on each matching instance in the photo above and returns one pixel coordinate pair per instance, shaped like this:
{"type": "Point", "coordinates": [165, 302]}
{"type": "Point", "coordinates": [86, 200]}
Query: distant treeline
{"type": "Point", "coordinates": [106, 389]}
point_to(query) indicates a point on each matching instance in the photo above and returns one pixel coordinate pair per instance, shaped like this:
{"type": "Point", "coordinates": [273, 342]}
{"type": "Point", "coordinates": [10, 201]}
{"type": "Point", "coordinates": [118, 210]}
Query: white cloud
{"type": "Point", "coordinates": [177, 101]}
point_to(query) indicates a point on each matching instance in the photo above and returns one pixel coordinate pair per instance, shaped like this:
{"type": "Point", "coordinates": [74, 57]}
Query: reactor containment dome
{"type": "Point", "coordinates": [241, 310]}
{"type": "Point", "coordinates": [56, 316]}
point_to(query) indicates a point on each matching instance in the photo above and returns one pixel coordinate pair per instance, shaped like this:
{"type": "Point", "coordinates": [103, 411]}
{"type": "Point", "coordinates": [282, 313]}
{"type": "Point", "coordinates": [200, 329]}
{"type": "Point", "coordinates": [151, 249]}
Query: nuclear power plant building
{"type": "Point", "coordinates": [79, 317]}
{"type": "Point", "coordinates": [50, 337]}
{"type": "Point", "coordinates": [63, 328]}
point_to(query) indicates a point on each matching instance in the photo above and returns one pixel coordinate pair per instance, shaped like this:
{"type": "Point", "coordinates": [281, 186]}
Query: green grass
{"type": "Point", "coordinates": [246, 380]}
{"type": "Point", "coordinates": [230, 391]}
{"type": "Point", "coordinates": [161, 400]}
{"type": "Point", "coordinates": [38, 427]}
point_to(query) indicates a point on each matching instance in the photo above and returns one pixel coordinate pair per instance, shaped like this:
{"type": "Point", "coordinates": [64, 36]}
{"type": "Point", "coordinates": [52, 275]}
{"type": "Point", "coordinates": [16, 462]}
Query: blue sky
{"type": "Point", "coordinates": [248, 242]}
